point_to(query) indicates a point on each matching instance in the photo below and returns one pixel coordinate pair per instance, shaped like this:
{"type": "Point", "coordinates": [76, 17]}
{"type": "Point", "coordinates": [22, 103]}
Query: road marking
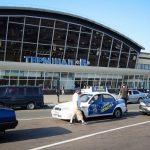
{"type": "Point", "coordinates": [34, 118]}
{"type": "Point", "coordinates": [89, 135]}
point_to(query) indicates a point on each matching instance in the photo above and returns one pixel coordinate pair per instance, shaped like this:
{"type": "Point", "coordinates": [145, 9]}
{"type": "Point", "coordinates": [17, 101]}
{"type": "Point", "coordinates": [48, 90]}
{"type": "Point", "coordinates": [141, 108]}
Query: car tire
{"type": "Point", "coordinates": [143, 113]}
{"type": "Point", "coordinates": [1, 104]}
{"type": "Point", "coordinates": [140, 99]}
{"type": "Point", "coordinates": [30, 106]}
{"type": "Point", "coordinates": [117, 113]}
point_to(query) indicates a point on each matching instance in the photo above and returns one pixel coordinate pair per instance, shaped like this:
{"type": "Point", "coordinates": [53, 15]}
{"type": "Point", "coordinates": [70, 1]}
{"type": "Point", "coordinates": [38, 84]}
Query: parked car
{"type": "Point", "coordinates": [135, 96]}
{"type": "Point", "coordinates": [92, 105]}
{"type": "Point", "coordinates": [21, 96]}
{"type": "Point", "coordinates": [7, 119]}
{"type": "Point", "coordinates": [144, 106]}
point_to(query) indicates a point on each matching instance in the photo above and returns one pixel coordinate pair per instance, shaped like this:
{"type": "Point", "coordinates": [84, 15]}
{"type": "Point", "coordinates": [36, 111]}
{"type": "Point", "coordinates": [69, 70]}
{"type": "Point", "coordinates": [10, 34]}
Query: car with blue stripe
{"type": "Point", "coordinates": [92, 105]}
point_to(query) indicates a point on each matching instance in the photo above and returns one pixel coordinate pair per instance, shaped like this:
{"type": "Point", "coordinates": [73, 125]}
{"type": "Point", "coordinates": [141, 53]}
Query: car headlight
{"type": "Point", "coordinates": [148, 104]}
{"type": "Point", "coordinates": [143, 104]}
{"type": "Point", "coordinates": [65, 108]}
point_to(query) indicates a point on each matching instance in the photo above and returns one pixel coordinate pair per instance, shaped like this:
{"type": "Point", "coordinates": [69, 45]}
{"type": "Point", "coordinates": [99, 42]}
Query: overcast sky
{"type": "Point", "coordinates": [129, 17]}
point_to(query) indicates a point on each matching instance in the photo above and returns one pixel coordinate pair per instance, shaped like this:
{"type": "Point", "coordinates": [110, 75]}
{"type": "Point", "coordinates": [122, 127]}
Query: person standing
{"type": "Point", "coordinates": [62, 90]}
{"type": "Point", "coordinates": [124, 93]}
{"type": "Point", "coordinates": [76, 107]}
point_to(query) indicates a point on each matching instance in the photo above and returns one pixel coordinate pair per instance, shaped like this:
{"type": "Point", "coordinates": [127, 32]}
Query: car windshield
{"type": "Point", "coordinates": [85, 97]}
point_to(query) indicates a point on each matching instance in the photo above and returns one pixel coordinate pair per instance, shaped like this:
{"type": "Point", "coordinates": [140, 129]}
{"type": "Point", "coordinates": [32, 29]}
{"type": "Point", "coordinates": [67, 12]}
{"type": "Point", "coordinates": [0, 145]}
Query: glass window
{"type": "Point", "coordinates": [104, 58]}
{"type": "Point", "coordinates": [135, 92]}
{"type": "Point", "coordinates": [84, 40]}
{"type": "Point", "coordinates": [45, 35]}
{"type": "Point", "coordinates": [96, 40]}
{"type": "Point", "coordinates": [72, 39]}
{"type": "Point", "coordinates": [107, 98]}
{"type": "Point", "coordinates": [70, 53]}
{"type": "Point", "coordinates": [114, 55]}
{"type": "Point", "coordinates": [13, 51]}
{"type": "Point", "coordinates": [2, 50]}
{"type": "Point", "coordinates": [85, 29]}
{"type": "Point", "coordinates": [15, 32]}
{"type": "Point", "coordinates": [2, 91]}
{"type": "Point", "coordinates": [59, 37]}
{"type": "Point", "coordinates": [116, 45]}
{"type": "Point", "coordinates": [82, 53]}
{"type": "Point", "coordinates": [28, 50]}
{"type": "Point", "coordinates": [44, 50]}
{"type": "Point", "coordinates": [132, 60]}
{"type": "Point", "coordinates": [113, 63]}
{"type": "Point", "coordinates": [16, 19]}
{"type": "Point", "coordinates": [31, 34]}
{"type": "Point", "coordinates": [57, 52]}
{"type": "Point", "coordinates": [93, 57]}
{"type": "Point", "coordinates": [74, 27]}
{"type": "Point", "coordinates": [106, 43]}
{"type": "Point", "coordinates": [3, 27]}
{"type": "Point", "coordinates": [33, 21]}
{"type": "Point", "coordinates": [61, 25]}
{"type": "Point", "coordinates": [47, 23]}
{"type": "Point", "coordinates": [125, 48]}
{"type": "Point", "coordinates": [123, 60]}
{"type": "Point", "coordinates": [32, 75]}
{"type": "Point", "coordinates": [12, 91]}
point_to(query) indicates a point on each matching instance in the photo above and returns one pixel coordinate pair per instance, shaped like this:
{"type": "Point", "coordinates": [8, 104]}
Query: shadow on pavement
{"type": "Point", "coordinates": [27, 134]}
{"type": "Point", "coordinates": [111, 118]}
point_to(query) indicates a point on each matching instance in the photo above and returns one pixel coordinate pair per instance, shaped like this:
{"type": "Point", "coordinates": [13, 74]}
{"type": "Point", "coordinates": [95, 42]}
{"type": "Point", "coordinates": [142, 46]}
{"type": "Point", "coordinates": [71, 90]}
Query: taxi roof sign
{"type": "Point", "coordinates": [92, 89]}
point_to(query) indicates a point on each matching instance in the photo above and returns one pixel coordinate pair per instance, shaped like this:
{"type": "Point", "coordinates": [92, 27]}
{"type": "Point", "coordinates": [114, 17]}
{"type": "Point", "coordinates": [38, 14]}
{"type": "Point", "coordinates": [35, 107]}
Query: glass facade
{"type": "Point", "coordinates": [48, 80]}
{"type": "Point", "coordinates": [35, 36]}
{"type": "Point", "coordinates": [43, 37]}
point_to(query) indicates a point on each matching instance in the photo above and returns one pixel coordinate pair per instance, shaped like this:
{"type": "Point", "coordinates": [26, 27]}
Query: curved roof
{"type": "Point", "coordinates": [105, 28]}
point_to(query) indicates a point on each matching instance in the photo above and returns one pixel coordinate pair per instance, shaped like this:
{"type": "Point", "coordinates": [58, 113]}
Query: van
{"type": "Point", "coordinates": [29, 97]}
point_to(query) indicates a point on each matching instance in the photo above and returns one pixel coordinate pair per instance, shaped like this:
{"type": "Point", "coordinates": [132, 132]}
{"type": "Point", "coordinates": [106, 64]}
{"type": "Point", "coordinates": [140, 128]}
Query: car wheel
{"type": "Point", "coordinates": [139, 100]}
{"type": "Point", "coordinates": [1, 104]}
{"type": "Point", "coordinates": [117, 113]}
{"type": "Point", "coordinates": [143, 113]}
{"type": "Point", "coordinates": [30, 106]}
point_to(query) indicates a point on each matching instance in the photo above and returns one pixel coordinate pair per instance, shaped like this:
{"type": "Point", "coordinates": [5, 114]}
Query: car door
{"type": "Point", "coordinates": [95, 105]}
{"type": "Point", "coordinates": [108, 104]}
{"type": "Point", "coordinates": [101, 104]}
{"type": "Point", "coordinates": [134, 95]}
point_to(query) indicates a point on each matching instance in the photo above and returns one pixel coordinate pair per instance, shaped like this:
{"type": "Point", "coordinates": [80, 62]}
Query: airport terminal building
{"type": "Point", "coordinates": [41, 47]}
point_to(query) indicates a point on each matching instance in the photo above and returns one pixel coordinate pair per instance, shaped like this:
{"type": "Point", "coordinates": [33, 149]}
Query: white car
{"type": "Point", "coordinates": [144, 106]}
{"type": "Point", "coordinates": [92, 105]}
{"type": "Point", "coordinates": [135, 96]}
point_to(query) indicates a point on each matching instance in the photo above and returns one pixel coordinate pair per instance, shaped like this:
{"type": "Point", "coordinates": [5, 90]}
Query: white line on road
{"type": "Point", "coordinates": [89, 135]}
{"type": "Point", "coordinates": [34, 118]}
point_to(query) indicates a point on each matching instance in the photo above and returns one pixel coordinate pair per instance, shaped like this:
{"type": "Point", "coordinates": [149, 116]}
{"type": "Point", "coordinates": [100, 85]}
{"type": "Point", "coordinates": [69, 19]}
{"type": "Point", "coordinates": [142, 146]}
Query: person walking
{"type": "Point", "coordinates": [62, 90]}
{"type": "Point", "coordinates": [124, 93]}
{"type": "Point", "coordinates": [76, 107]}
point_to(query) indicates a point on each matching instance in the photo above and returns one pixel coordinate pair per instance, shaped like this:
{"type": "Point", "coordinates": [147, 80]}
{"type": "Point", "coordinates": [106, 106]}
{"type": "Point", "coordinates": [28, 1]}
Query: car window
{"type": "Point", "coordinates": [85, 97]}
{"type": "Point", "coordinates": [129, 92]}
{"type": "Point", "coordinates": [96, 99]}
{"type": "Point", "coordinates": [11, 91]}
{"type": "Point", "coordinates": [2, 91]}
{"type": "Point", "coordinates": [148, 96]}
{"type": "Point", "coordinates": [107, 98]}
{"type": "Point", "coordinates": [135, 92]}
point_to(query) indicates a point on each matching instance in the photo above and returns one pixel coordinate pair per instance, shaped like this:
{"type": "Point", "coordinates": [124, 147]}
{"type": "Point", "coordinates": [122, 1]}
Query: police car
{"type": "Point", "coordinates": [92, 105]}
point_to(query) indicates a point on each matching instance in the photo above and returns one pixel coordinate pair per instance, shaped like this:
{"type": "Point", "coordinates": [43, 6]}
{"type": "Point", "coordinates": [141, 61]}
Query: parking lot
{"type": "Point", "coordinates": [38, 130]}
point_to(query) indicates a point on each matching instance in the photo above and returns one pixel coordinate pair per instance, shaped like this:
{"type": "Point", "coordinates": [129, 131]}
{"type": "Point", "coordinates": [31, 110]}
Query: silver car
{"type": "Point", "coordinates": [144, 106]}
{"type": "Point", "coordinates": [135, 96]}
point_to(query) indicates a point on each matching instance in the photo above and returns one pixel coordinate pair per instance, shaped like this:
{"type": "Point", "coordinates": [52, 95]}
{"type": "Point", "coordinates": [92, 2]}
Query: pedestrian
{"type": "Point", "coordinates": [62, 90]}
{"type": "Point", "coordinates": [76, 111]}
{"type": "Point", "coordinates": [124, 93]}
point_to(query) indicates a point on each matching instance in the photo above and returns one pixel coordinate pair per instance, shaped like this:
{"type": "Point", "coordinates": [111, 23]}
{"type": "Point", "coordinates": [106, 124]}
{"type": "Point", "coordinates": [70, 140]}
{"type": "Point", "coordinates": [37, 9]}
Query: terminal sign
{"type": "Point", "coordinates": [49, 60]}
